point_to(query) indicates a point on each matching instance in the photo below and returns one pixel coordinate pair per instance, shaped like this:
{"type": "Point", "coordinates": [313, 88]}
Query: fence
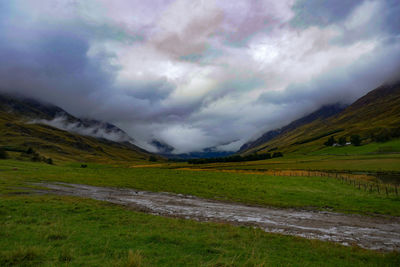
{"type": "Point", "coordinates": [365, 182]}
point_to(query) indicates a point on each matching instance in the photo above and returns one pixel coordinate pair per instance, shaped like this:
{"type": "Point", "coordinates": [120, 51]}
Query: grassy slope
{"type": "Point", "coordinates": [64, 146]}
{"type": "Point", "coordinates": [378, 110]}
{"type": "Point", "coordinates": [300, 192]}
{"type": "Point", "coordinates": [65, 231]}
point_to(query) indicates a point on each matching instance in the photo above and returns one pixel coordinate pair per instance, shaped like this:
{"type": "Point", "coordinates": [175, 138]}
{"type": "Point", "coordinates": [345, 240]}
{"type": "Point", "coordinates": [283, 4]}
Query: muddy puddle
{"type": "Point", "coordinates": [377, 233]}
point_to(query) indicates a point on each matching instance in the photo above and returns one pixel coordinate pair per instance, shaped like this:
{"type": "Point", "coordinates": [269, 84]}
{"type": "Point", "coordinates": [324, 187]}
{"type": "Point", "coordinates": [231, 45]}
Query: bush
{"type": "Point", "coordinates": [3, 154]}
{"type": "Point", "coordinates": [355, 140]}
{"type": "Point", "coordinates": [383, 135]}
{"type": "Point", "coordinates": [152, 159]}
{"type": "Point", "coordinates": [49, 161]}
{"type": "Point", "coordinates": [331, 141]}
{"type": "Point", "coordinates": [83, 166]}
{"type": "Point", "coordinates": [30, 151]}
{"type": "Point", "coordinates": [277, 155]}
{"type": "Point", "coordinates": [36, 157]}
{"type": "Point", "coordinates": [236, 158]}
{"type": "Point", "coordinates": [342, 140]}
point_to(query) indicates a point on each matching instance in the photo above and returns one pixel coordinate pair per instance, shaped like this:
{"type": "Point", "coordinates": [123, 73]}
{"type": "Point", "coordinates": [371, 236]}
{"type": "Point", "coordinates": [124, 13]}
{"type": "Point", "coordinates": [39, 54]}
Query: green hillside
{"type": "Point", "coordinates": [18, 134]}
{"type": "Point", "coordinates": [375, 117]}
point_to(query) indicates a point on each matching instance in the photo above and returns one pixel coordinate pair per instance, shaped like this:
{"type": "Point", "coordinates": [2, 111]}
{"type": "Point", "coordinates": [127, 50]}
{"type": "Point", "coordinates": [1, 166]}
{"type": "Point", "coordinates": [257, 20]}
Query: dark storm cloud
{"type": "Point", "coordinates": [197, 75]}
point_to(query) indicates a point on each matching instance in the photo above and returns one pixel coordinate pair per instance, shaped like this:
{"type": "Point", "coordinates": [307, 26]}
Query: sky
{"type": "Point", "coordinates": [197, 74]}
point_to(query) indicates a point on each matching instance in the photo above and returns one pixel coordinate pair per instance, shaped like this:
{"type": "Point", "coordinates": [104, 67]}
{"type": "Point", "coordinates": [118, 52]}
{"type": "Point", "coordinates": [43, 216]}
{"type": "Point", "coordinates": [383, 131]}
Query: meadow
{"type": "Point", "coordinates": [320, 193]}
{"type": "Point", "coordinates": [66, 231]}
{"type": "Point", "coordinates": [46, 230]}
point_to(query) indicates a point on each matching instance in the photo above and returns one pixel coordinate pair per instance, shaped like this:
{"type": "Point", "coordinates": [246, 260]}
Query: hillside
{"type": "Point", "coordinates": [322, 113]}
{"type": "Point", "coordinates": [53, 132]}
{"type": "Point", "coordinates": [375, 117]}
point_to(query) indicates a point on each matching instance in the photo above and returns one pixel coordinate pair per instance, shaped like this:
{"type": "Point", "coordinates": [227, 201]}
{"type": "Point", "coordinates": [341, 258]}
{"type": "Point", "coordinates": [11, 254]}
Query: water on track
{"type": "Point", "coordinates": [376, 233]}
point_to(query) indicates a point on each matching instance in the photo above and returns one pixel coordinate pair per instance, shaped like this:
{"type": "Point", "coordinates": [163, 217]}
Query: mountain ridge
{"type": "Point", "coordinates": [374, 116]}
{"type": "Point", "coordinates": [50, 114]}
{"type": "Point", "coordinates": [28, 123]}
{"type": "Point", "coordinates": [323, 112]}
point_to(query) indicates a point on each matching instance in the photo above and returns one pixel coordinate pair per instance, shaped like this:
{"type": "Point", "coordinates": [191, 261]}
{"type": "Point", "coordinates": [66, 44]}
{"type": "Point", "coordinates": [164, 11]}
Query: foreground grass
{"type": "Point", "coordinates": [67, 231]}
{"type": "Point", "coordinates": [297, 192]}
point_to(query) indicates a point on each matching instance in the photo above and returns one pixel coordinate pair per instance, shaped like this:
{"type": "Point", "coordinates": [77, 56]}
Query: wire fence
{"type": "Point", "coordinates": [366, 182]}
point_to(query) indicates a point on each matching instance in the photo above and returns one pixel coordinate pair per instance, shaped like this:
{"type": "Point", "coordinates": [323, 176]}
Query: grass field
{"type": "Point", "coordinates": [298, 192]}
{"type": "Point", "coordinates": [355, 163]}
{"type": "Point", "coordinates": [67, 231]}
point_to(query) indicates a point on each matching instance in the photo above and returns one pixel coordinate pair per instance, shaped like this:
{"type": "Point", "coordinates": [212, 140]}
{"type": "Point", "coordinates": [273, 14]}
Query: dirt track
{"type": "Point", "coordinates": [367, 232]}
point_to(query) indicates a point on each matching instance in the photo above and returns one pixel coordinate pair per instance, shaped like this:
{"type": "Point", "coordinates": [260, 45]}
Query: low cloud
{"type": "Point", "coordinates": [89, 128]}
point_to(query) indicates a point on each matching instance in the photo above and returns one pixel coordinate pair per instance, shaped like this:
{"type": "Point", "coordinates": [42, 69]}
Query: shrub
{"type": "Point", "coordinates": [83, 166]}
{"type": "Point", "coordinates": [49, 161]}
{"type": "Point", "coordinates": [236, 158]}
{"type": "Point", "coordinates": [331, 141]}
{"type": "Point", "coordinates": [355, 140]}
{"type": "Point", "coordinates": [152, 159]}
{"type": "Point", "coordinates": [3, 154]}
{"type": "Point", "coordinates": [277, 155]}
{"type": "Point", "coordinates": [342, 140]}
{"type": "Point", "coordinates": [36, 157]}
{"type": "Point", "coordinates": [383, 135]}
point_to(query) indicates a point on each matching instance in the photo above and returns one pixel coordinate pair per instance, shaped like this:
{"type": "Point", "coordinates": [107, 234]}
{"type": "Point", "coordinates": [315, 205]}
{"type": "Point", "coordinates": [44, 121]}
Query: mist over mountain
{"type": "Point", "coordinates": [320, 114]}
{"type": "Point", "coordinates": [45, 113]}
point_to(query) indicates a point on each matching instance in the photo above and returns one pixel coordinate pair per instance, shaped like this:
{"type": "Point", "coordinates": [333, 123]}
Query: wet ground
{"type": "Point", "coordinates": [377, 233]}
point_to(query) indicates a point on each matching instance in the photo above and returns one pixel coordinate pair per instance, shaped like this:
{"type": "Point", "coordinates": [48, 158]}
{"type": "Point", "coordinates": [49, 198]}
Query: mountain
{"type": "Point", "coordinates": [166, 150]}
{"type": "Point", "coordinates": [46, 113]}
{"type": "Point", "coordinates": [205, 154]}
{"type": "Point", "coordinates": [375, 117]}
{"type": "Point", "coordinates": [28, 123]}
{"type": "Point", "coordinates": [162, 147]}
{"type": "Point", "coordinates": [320, 114]}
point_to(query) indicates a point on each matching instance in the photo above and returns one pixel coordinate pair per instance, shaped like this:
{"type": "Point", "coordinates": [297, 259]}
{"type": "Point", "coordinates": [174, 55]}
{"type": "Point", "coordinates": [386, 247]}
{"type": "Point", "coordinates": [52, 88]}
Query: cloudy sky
{"type": "Point", "coordinates": [197, 74]}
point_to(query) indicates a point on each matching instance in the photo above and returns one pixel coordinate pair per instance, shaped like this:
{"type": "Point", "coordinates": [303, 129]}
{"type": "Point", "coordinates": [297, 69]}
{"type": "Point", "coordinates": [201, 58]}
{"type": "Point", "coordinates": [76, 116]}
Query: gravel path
{"type": "Point", "coordinates": [375, 233]}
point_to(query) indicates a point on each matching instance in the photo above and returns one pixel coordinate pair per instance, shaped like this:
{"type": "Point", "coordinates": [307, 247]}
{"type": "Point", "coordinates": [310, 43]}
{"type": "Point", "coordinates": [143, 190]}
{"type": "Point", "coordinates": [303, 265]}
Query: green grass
{"type": "Point", "coordinates": [298, 192]}
{"type": "Point", "coordinates": [386, 147]}
{"type": "Point", "coordinates": [364, 163]}
{"type": "Point", "coordinates": [67, 231]}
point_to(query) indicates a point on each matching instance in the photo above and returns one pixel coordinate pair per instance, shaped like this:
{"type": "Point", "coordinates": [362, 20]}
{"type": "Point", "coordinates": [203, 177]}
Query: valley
{"type": "Point", "coordinates": [342, 201]}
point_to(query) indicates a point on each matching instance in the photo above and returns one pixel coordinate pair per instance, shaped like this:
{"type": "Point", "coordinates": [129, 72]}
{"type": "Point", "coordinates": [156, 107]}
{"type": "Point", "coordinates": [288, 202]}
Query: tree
{"type": "Point", "coordinates": [383, 135]}
{"type": "Point", "coordinates": [36, 157]}
{"type": "Point", "coordinates": [152, 158]}
{"type": "Point", "coordinates": [342, 140]}
{"type": "Point", "coordinates": [277, 155]}
{"type": "Point", "coordinates": [355, 139]}
{"type": "Point", "coordinates": [331, 141]}
{"type": "Point", "coordinates": [3, 154]}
